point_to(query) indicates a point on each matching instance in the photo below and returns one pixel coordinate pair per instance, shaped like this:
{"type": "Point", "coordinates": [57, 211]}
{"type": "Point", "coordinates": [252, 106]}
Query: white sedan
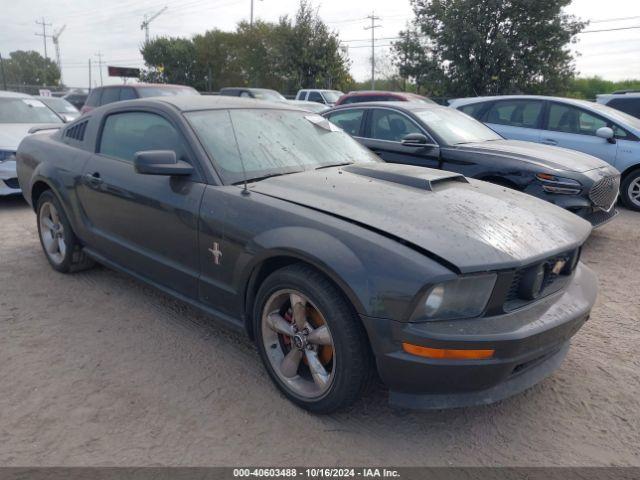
{"type": "Point", "coordinates": [18, 113]}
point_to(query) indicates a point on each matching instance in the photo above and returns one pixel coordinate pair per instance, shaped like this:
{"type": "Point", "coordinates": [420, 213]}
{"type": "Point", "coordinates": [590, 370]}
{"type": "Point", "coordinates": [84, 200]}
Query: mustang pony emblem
{"type": "Point", "coordinates": [216, 252]}
{"type": "Point", "coordinates": [557, 268]}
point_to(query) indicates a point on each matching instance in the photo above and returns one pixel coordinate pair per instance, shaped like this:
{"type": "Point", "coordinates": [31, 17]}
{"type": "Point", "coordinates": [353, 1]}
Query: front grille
{"type": "Point", "coordinates": [552, 281]}
{"type": "Point", "coordinates": [600, 217]}
{"type": "Point", "coordinates": [604, 192]}
{"type": "Point", "coordinates": [12, 183]}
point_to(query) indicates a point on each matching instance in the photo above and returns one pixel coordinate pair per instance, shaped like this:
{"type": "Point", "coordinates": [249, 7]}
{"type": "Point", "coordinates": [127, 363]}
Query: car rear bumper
{"type": "Point", "coordinates": [9, 178]}
{"type": "Point", "coordinates": [529, 345]}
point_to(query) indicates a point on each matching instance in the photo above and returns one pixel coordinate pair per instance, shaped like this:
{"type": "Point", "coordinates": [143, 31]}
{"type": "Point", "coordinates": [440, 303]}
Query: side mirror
{"type": "Point", "coordinates": [160, 162]}
{"type": "Point", "coordinates": [415, 140]}
{"type": "Point", "coordinates": [606, 133]}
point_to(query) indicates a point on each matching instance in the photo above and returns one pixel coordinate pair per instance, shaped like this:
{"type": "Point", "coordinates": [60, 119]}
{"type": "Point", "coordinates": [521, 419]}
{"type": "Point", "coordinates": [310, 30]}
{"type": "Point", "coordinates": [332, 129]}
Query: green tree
{"type": "Point", "coordinates": [484, 47]}
{"type": "Point", "coordinates": [170, 60]}
{"type": "Point", "coordinates": [25, 69]}
{"type": "Point", "coordinates": [589, 87]}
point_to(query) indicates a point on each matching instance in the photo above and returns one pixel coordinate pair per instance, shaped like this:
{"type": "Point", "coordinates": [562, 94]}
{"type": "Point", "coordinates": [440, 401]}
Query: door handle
{"type": "Point", "coordinates": [549, 141]}
{"type": "Point", "coordinates": [93, 179]}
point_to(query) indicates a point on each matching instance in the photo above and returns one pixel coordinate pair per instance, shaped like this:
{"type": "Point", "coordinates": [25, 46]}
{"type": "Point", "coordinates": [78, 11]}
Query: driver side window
{"type": "Point", "coordinates": [124, 134]}
{"type": "Point", "coordinates": [391, 126]}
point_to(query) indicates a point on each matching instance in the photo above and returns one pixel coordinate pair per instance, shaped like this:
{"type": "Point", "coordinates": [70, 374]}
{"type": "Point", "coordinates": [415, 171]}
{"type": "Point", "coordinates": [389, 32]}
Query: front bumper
{"type": "Point", "coordinates": [9, 178]}
{"type": "Point", "coordinates": [529, 344]}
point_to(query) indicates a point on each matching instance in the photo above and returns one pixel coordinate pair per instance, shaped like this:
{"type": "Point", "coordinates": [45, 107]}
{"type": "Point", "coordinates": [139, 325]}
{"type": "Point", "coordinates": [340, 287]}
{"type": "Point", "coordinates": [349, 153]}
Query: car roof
{"type": "Point", "coordinates": [7, 94]}
{"type": "Point", "coordinates": [143, 85]}
{"type": "Point", "coordinates": [407, 106]}
{"type": "Point", "coordinates": [186, 103]}
{"type": "Point", "coordinates": [471, 100]}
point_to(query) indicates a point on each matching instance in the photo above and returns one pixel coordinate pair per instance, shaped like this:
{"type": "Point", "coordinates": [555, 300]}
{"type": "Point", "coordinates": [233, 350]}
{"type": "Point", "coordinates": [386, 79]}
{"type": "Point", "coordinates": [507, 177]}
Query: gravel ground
{"type": "Point", "coordinates": [99, 369]}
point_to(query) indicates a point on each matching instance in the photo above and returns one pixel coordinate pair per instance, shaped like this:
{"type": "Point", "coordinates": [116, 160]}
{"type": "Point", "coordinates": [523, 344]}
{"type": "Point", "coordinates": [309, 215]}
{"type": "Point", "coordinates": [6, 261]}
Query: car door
{"type": "Point", "coordinates": [517, 119]}
{"type": "Point", "coordinates": [144, 223]}
{"type": "Point", "coordinates": [573, 127]}
{"type": "Point", "coordinates": [384, 133]}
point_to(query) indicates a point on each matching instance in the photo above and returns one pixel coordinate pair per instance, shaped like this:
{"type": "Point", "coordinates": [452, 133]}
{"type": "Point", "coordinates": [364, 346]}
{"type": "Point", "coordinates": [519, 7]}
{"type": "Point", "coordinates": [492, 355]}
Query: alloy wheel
{"type": "Point", "coordinates": [298, 344]}
{"type": "Point", "coordinates": [52, 233]}
{"type": "Point", "coordinates": [634, 191]}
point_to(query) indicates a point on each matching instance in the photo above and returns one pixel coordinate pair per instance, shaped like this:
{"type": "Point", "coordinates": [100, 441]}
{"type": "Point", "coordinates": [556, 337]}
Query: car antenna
{"type": "Point", "coordinates": [245, 190]}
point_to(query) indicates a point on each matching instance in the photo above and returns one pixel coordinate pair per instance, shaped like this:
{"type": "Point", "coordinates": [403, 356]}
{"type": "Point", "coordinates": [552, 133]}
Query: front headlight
{"type": "Point", "coordinates": [465, 297]}
{"type": "Point", "coordinates": [6, 155]}
{"type": "Point", "coordinates": [561, 185]}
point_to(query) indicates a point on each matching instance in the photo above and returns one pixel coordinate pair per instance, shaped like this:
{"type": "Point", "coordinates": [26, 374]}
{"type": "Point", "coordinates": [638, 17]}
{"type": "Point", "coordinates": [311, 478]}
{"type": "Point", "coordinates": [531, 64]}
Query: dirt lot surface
{"type": "Point", "coordinates": [100, 369]}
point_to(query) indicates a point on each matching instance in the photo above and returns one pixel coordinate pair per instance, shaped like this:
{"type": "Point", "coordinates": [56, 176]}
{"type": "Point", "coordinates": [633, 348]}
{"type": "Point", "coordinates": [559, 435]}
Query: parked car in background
{"type": "Point", "coordinates": [19, 113]}
{"type": "Point", "coordinates": [258, 93]}
{"type": "Point", "coordinates": [314, 107]}
{"type": "Point", "coordinates": [627, 101]}
{"type": "Point", "coordinates": [62, 107]}
{"type": "Point", "coordinates": [341, 267]}
{"type": "Point", "coordinates": [326, 97]}
{"type": "Point", "coordinates": [434, 136]}
{"type": "Point", "coordinates": [77, 98]}
{"type": "Point", "coordinates": [381, 96]}
{"type": "Point", "coordinates": [589, 127]}
{"type": "Point", "coordinates": [114, 93]}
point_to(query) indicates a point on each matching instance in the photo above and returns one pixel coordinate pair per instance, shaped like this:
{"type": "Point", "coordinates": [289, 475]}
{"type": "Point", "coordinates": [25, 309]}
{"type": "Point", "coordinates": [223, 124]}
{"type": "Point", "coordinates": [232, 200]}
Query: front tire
{"type": "Point", "coordinates": [630, 190]}
{"type": "Point", "coordinates": [311, 342]}
{"type": "Point", "coordinates": [59, 243]}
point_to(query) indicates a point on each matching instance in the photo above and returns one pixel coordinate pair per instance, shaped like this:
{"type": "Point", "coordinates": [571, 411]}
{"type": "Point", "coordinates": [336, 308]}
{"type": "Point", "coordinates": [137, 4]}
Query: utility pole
{"type": "Point", "coordinates": [147, 20]}
{"type": "Point", "coordinates": [373, 27]}
{"type": "Point", "coordinates": [89, 74]}
{"type": "Point", "coordinates": [99, 55]}
{"type": "Point", "coordinates": [56, 42]}
{"type": "Point", "coordinates": [44, 35]}
{"type": "Point", "coordinates": [251, 16]}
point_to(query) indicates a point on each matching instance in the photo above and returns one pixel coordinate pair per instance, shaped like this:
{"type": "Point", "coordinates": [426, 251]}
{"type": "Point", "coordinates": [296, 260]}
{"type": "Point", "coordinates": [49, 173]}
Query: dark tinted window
{"type": "Point", "coordinates": [349, 120]}
{"type": "Point", "coordinates": [124, 134]}
{"type": "Point", "coordinates": [110, 95]}
{"type": "Point", "coordinates": [315, 97]}
{"type": "Point", "coordinates": [94, 98]}
{"type": "Point", "coordinates": [626, 105]}
{"type": "Point", "coordinates": [474, 110]}
{"type": "Point", "coordinates": [391, 126]}
{"type": "Point", "coordinates": [517, 113]}
{"type": "Point", "coordinates": [569, 119]}
{"type": "Point", "coordinates": [127, 93]}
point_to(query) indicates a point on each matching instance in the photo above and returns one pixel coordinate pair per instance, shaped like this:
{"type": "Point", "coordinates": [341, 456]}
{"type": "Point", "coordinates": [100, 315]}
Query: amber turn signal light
{"type": "Point", "coordinates": [447, 354]}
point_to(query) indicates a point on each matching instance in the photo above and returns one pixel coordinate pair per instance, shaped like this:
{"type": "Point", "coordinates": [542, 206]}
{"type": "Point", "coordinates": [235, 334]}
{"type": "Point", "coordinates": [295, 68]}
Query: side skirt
{"type": "Point", "coordinates": [221, 318]}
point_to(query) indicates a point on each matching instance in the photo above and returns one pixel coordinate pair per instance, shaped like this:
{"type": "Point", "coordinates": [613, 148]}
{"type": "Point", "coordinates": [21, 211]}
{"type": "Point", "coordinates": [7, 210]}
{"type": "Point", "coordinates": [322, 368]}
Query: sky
{"type": "Point", "coordinates": [112, 29]}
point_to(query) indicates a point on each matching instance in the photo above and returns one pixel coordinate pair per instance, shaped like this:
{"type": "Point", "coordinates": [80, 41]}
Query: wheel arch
{"type": "Point", "coordinates": [629, 170]}
{"type": "Point", "coordinates": [37, 189]}
{"type": "Point", "coordinates": [276, 260]}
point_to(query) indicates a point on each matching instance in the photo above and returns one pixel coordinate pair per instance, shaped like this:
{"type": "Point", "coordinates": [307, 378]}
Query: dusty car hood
{"type": "Point", "coordinates": [473, 225]}
{"type": "Point", "coordinates": [11, 134]}
{"type": "Point", "coordinates": [538, 154]}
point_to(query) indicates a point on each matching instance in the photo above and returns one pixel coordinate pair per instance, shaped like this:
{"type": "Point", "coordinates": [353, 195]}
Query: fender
{"type": "Point", "coordinates": [308, 245]}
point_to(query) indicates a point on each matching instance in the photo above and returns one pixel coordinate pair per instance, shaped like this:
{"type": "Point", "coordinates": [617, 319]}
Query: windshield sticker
{"type": "Point", "coordinates": [33, 103]}
{"type": "Point", "coordinates": [322, 122]}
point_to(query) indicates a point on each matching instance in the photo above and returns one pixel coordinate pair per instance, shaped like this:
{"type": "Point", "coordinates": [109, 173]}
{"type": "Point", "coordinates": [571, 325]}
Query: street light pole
{"type": "Point", "coordinates": [373, 27]}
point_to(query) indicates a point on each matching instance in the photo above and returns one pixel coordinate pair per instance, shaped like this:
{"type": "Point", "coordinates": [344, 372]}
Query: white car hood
{"type": "Point", "coordinates": [11, 134]}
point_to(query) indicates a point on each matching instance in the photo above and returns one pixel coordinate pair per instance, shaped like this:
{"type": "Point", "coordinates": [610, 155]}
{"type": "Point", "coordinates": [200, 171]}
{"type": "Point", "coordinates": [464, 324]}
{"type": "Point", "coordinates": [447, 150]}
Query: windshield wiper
{"type": "Point", "coordinates": [334, 165]}
{"type": "Point", "coordinates": [264, 177]}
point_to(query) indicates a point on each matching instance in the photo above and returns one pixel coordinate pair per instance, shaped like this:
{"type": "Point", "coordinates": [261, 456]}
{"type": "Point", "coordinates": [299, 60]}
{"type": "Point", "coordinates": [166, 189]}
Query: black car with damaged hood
{"type": "Point", "coordinates": [338, 265]}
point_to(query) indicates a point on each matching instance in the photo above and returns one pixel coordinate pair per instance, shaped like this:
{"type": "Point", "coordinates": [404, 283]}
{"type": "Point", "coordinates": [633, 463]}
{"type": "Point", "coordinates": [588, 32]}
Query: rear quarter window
{"type": "Point", "coordinates": [93, 100]}
{"type": "Point", "coordinates": [110, 95]}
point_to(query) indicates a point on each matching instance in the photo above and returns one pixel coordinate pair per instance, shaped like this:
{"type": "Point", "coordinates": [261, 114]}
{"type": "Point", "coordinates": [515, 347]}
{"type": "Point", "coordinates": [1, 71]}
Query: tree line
{"type": "Point", "coordinates": [288, 54]}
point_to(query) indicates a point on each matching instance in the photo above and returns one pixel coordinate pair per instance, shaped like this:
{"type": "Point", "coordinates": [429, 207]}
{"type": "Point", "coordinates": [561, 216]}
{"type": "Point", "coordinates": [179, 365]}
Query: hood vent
{"type": "Point", "coordinates": [410, 176]}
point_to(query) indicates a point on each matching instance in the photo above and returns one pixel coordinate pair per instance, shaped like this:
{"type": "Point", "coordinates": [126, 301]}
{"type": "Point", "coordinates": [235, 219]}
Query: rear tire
{"type": "Point", "coordinates": [630, 190]}
{"type": "Point", "coordinates": [60, 245]}
{"type": "Point", "coordinates": [329, 363]}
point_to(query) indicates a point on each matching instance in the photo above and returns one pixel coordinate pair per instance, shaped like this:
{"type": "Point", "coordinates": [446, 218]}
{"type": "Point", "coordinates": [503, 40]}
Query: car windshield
{"type": "Point", "coordinates": [331, 96]}
{"type": "Point", "coordinates": [166, 91]}
{"type": "Point", "coordinates": [623, 118]}
{"type": "Point", "coordinates": [454, 127]}
{"type": "Point", "coordinates": [268, 95]}
{"type": "Point", "coordinates": [264, 142]}
{"type": "Point", "coordinates": [60, 105]}
{"type": "Point", "coordinates": [26, 110]}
